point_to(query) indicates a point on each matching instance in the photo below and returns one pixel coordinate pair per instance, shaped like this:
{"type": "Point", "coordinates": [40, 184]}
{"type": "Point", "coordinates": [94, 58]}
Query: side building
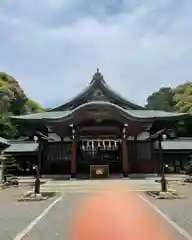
{"type": "Point", "coordinates": [96, 127]}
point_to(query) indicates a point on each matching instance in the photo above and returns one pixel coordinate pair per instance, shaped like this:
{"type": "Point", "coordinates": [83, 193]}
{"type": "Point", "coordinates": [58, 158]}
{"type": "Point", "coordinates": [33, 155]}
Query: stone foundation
{"type": "Point", "coordinates": [165, 195]}
{"type": "Point", "coordinates": [31, 196]}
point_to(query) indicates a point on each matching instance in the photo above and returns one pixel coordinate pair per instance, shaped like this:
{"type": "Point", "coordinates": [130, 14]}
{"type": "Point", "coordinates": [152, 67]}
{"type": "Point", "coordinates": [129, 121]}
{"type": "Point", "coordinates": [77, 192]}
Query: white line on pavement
{"type": "Point", "coordinates": [22, 234]}
{"type": "Point", "coordinates": [165, 217]}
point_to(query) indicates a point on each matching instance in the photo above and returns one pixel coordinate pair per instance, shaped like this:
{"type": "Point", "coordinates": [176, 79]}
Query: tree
{"type": "Point", "coordinates": [183, 104]}
{"type": "Point", "coordinates": [177, 99]}
{"type": "Point", "coordinates": [161, 100]}
{"type": "Point", "coordinates": [6, 128]}
{"type": "Point", "coordinates": [11, 88]}
{"type": "Point", "coordinates": [34, 107]}
{"type": "Point", "coordinates": [13, 101]}
{"type": "Point", "coordinates": [183, 98]}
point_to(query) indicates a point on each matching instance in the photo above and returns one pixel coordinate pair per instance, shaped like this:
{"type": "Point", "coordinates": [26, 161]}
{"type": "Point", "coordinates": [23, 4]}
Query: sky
{"type": "Point", "coordinates": [53, 47]}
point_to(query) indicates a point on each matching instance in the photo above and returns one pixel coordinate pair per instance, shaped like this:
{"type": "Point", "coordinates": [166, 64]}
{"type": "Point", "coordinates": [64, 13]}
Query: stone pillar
{"type": "Point", "coordinates": [125, 160]}
{"type": "Point", "coordinates": [73, 152]}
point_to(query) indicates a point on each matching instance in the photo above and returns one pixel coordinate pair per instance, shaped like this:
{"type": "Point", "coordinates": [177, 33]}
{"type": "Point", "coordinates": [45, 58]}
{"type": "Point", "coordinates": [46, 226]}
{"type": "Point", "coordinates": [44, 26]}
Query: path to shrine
{"type": "Point", "coordinates": [50, 219]}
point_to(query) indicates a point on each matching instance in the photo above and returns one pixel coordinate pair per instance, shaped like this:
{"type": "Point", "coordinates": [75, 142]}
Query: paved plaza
{"type": "Point", "coordinates": [178, 210]}
{"type": "Point", "coordinates": [51, 219]}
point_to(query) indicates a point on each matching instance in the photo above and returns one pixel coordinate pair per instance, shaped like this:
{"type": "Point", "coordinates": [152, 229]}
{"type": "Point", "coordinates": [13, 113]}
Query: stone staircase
{"type": "Point", "coordinates": [88, 186]}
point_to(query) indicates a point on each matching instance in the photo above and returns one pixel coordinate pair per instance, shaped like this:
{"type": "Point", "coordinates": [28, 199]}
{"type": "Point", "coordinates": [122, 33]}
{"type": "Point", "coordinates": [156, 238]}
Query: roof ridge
{"type": "Point", "coordinates": [98, 81]}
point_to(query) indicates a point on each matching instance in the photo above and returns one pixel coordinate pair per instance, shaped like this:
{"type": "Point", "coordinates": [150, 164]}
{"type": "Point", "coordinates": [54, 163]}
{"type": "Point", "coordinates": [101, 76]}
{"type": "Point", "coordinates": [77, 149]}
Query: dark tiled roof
{"type": "Point", "coordinates": [43, 115]}
{"type": "Point", "coordinates": [98, 82]}
{"type": "Point", "coordinates": [19, 147]}
{"type": "Point", "coordinates": [135, 114]}
{"type": "Point", "coordinates": [177, 144]}
{"type": "Point", "coordinates": [153, 114]}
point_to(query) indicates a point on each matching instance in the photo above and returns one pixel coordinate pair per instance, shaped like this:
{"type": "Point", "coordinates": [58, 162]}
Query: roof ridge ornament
{"type": "Point", "coordinates": [98, 77]}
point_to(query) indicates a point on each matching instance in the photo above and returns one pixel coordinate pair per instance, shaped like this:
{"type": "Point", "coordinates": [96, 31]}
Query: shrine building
{"type": "Point", "coordinates": [98, 127]}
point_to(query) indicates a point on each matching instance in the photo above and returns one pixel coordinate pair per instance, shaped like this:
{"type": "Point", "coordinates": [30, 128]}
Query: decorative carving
{"type": "Point", "coordinates": [98, 77]}
{"type": "Point", "coordinates": [98, 95]}
{"type": "Point", "coordinates": [98, 119]}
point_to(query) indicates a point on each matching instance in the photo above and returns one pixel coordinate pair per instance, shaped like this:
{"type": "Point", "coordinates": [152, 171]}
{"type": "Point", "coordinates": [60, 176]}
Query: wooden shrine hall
{"type": "Point", "coordinates": [96, 133]}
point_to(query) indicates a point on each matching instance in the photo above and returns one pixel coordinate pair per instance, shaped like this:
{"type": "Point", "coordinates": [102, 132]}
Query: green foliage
{"type": "Point", "coordinates": [11, 88]}
{"type": "Point", "coordinates": [34, 107]}
{"type": "Point", "coordinates": [183, 98]}
{"type": "Point", "coordinates": [161, 100]}
{"type": "Point", "coordinates": [177, 99]}
{"type": "Point", "coordinates": [172, 99]}
{"type": "Point", "coordinates": [7, 129]}
{"type": "Point", "coordinates": [4, 104]}
{"type": "Point", "coordinates": [13, 101]}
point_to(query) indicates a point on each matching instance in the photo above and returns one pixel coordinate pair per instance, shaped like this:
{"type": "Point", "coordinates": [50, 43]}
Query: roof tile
{"type": "Point", "coordinates": [19, 147]}
{"type": "Point", "coordinates": [137, 114]}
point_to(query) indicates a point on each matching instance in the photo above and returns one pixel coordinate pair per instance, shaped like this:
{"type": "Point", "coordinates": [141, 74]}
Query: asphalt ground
{"type": "Point", "coordinates": [51, 219]}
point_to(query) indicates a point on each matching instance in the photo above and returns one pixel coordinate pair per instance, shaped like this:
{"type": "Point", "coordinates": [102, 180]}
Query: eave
{"type": "Point", "coordinates": [135, 115]}
{"type": "Point", "coordinates": [22, 147]}
{"type": "Point", "coordinates": [176, 145]}
{"type": "Point", "coordinates": [4, 142]}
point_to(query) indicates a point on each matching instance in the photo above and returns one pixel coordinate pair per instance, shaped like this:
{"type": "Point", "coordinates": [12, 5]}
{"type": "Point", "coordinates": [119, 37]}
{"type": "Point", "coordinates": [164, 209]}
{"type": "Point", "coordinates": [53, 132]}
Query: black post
{"type": "Point", "coordinates": [41, 138]}
{"type": "Point", "coordinates": [37, 181]}
{"type": "Point", "coordinates": [163, 179]}
{"type": "Point", "coordinates": [38, 166]}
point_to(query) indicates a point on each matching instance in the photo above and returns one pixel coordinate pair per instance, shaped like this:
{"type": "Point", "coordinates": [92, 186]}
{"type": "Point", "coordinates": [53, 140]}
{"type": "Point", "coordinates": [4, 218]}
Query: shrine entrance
{"type": "Point", "coordinates": [99, 152]}
{"type": "Point", "coordinates": [98, 140]}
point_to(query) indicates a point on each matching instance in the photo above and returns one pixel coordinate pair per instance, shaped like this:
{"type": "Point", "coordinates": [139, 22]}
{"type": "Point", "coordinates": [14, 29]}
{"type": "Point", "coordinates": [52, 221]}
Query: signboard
{"type": "Point", "coordinates": [99, 171]}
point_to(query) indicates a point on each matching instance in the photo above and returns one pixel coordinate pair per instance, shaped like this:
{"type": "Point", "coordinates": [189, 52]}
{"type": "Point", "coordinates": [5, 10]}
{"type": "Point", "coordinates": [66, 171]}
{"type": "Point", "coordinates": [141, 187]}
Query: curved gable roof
{"type": "Point", "coordinates": [97, 82]}
{"type": "Point", "coordinates": [138, 115]}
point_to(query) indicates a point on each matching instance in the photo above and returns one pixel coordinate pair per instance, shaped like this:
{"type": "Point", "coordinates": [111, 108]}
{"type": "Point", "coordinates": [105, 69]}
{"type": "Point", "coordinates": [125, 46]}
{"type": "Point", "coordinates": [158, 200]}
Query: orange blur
{"type": "Point", "coordinates": [117, 215]}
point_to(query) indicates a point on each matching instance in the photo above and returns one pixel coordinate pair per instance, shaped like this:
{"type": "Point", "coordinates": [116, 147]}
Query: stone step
{"type": "Point", "coordinates": [71, 189]}
{"type": "Point", "coordinates": [93, 190]}
{"type": "Point", "coordinates": [99, 186]}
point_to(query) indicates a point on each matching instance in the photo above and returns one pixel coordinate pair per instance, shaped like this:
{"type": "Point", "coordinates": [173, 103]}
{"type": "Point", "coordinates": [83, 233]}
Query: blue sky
{"type": "Point", "coordinates": [53, 47]}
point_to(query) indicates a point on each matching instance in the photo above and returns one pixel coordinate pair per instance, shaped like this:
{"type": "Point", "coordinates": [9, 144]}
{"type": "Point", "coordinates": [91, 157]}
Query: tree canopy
{"type": "Point", "coordinates": [178, 99]}
{"type": "Point", "coordinates": [161, 100]}
{"type": "Point", "coordinates": [13, 101]}
{"type": "Point", "coordinates": [183, 98]}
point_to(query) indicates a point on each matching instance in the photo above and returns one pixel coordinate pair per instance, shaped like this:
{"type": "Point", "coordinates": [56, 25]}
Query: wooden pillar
{"type": "Point", "coordinates": [125, 160]}
{"type": "Point", "coordinates": [73, 153]}
{"type": "Point", "coordinates": [135, 164]}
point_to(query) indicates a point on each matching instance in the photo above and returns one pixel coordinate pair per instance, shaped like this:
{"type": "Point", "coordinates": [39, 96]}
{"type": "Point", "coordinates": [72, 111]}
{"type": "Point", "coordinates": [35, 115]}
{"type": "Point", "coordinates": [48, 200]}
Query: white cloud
{"type": "Point", "coordinates": [54, 47]}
